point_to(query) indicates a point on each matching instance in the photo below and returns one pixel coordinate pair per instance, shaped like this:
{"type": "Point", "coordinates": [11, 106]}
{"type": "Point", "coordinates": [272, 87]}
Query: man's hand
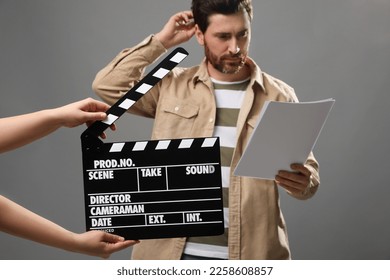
{"type": "Point", "coordinates": [179, 29]}
{"type": "Point", "coordinates": [297, 181]}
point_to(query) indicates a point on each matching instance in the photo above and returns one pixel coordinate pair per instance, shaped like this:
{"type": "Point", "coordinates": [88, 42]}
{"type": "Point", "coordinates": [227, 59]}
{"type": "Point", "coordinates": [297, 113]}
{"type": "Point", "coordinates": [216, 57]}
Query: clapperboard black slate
{"type": "Point", "coordinates": [151, 189]}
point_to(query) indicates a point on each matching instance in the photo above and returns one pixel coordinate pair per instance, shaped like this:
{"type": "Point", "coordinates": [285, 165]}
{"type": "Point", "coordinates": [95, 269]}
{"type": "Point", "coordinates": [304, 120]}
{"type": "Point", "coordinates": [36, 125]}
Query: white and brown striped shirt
{"type": "Point", "coordinates": [229, 97]}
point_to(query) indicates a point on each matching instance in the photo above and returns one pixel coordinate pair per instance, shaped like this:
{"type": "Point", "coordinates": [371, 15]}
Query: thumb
{"type": "Point", "coordinates": [95, 116]}
{"type": "Point", "coordinates": [112, 238]}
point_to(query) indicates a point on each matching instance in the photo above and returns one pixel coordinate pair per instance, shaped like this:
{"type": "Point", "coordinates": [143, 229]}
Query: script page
{"type": "Point", "coordinates": [285, 133]}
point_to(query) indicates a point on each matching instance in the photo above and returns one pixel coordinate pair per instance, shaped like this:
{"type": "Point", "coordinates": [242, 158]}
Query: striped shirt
{"type": "Point", "coordinates": [229, 97]}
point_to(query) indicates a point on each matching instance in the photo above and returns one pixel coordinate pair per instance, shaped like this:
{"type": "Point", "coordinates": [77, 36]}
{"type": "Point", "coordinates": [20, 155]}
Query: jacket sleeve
{"type": "Point", "coordinates": [125, 71]}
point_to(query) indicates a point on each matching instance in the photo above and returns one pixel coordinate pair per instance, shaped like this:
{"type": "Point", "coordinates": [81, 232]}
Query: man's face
{"type": "Point", "coordinates": [226, 42]}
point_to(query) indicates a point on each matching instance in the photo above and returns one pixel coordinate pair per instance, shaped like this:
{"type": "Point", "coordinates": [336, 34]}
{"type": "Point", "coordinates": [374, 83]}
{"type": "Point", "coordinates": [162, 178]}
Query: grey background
{"type": "Point", "coordinates": [50, 51]}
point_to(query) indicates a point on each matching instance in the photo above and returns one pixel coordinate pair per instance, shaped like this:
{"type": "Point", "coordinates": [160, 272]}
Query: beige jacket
{"type": "Point", "coordinates": [183, 106]}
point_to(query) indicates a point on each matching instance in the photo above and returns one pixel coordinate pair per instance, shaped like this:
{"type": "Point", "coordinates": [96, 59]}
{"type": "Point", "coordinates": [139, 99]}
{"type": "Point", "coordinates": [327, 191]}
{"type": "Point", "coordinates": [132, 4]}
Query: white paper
{"type": "Point", "coordinates": [285, 133]}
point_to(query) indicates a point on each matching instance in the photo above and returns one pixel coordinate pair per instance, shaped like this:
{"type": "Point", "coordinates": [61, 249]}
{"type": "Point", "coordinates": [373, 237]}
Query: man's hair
{"type": "Point", "coordinates": [202, 9]}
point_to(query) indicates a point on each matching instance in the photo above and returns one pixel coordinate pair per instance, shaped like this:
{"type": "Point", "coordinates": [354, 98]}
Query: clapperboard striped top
{"type": "Point", "coordinates": [135, 93]}
{"type": "Point", "coordinates": [161, 144]}
{"type": "Point", "coordinates": [229, 97]}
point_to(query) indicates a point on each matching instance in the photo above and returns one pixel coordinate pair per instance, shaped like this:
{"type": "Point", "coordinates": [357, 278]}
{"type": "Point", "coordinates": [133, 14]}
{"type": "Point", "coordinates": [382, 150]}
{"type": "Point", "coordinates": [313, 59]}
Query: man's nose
{"type": "Point", "coordinates": [233, 47]}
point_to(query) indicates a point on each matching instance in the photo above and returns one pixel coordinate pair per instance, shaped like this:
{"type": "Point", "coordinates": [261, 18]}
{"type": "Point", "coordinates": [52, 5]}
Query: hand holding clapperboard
{"type": "Point", "coordinates": [151, 189]}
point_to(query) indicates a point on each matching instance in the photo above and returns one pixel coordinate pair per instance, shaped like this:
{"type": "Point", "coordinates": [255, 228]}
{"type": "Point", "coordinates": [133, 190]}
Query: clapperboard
{"type": "Point", "coordinates": [151, 189]}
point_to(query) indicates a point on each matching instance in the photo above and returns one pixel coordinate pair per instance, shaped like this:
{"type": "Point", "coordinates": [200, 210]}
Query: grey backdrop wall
{"type": "Point", "coordinates": [50, 51]}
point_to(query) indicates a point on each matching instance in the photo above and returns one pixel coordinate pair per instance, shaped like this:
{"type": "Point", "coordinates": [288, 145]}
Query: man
{"type": "Point", "coordinates": [21, 130]}
{"type": "Point", "coordinates": [220, 97]}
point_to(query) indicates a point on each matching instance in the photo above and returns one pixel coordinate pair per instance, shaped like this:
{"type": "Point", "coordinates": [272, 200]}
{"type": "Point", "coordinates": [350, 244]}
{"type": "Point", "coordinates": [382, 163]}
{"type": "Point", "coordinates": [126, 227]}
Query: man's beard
{"type": "Point", "coordinates": [227, 64]}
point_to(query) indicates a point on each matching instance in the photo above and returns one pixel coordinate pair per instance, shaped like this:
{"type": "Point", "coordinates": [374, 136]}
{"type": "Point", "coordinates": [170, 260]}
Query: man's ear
{"type": "Point", "coordinates": [199, 35]}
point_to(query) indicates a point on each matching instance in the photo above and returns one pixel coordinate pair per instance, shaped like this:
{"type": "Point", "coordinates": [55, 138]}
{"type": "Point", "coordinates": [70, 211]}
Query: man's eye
{"type": "Point", "coordinates": [243, 35]}
{"type": "Point", "coordinates": [224, 37]}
